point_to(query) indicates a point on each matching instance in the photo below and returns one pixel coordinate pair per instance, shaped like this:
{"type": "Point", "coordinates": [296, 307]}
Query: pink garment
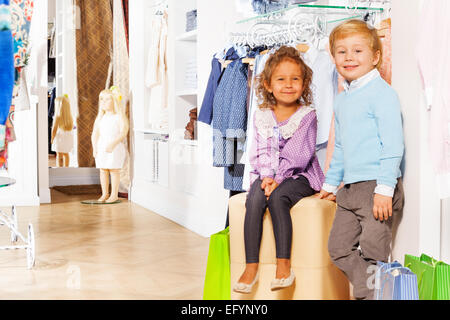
{"type": "Point", "coordinates": [433, 55]}
{"type": "Point", "coordinates": [386, 40]}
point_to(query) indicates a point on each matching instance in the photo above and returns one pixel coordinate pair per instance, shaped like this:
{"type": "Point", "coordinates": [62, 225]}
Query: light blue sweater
{"type": "Point", "coordinates": [368, 136]}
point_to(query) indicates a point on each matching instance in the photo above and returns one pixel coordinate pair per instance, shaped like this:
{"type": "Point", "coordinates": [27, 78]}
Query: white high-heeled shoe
{"type": "Point", "coordinates": [283, 282]}
{"type": "Point", "coordinates": [244, 287]}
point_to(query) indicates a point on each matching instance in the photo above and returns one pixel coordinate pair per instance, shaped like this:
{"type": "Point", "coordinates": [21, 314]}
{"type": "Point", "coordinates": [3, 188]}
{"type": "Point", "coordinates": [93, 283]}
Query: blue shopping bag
{"type": "Point", "coordinates": [395, 282]}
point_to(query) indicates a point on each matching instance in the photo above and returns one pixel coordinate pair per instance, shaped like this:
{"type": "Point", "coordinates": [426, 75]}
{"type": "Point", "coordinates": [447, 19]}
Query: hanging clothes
{"type": "Point", "coordinates": [260, 63]}
{"type": "Point", "coordinates": [121, 79]}
{"type": "Point", "coordinates": [386, 41]}
{"type": "Point", "coordinates": [433, 55]}
{"type": "Point", "coordinates": [7, 73]}
{"type": "Point", "coordinates": [156, 73]}
{"type": "Point", "coordinates": [229, 121]}
{"type": "Point", "coordinates": [21, 13]}
{"type": "Point", "coordinates": [126, 22]}
{"type": "Point", "coordinates": [325, 88]}
{"type": "Point", "coordinates": [267, 6]}
{"type": "Point", "coordinates": [230, 113]}
{"type": "Point", "coordinates": [206, 110]}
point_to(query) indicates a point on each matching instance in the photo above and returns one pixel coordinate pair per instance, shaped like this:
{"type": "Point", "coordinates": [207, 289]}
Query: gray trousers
{"type": "Point", "coordinates": [357, 240]}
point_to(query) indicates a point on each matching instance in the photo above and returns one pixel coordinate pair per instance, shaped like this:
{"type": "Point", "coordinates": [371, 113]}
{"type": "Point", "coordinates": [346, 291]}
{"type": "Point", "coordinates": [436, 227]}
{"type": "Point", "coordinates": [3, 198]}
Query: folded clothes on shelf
{"type": "Point", "coordinates": [191, 20]}
{"type": "Point", "coordinates": [191, 127]}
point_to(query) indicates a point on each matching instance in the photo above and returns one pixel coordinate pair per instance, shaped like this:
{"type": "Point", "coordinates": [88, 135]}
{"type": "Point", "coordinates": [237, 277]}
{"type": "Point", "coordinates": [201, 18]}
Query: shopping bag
{"type": "Point", "coordinates": [217, 278]}
{"type": "Point", "coordinates": [394, 282]}
{"type": "Point", "coordinates": [433, 277]}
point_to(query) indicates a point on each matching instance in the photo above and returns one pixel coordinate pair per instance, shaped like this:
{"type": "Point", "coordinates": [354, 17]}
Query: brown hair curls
{"type": "Point", "coordinates": [283, 53]}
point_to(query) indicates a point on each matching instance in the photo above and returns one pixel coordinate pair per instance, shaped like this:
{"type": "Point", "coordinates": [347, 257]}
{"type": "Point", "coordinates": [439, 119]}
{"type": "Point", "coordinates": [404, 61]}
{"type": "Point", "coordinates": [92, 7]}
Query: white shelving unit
{"type": "Point", "coordinates": [187, 92]}
{"type": "Point", "coordinates": [194, 195]}
{"type": "Point", "coordinates": [188, 36]}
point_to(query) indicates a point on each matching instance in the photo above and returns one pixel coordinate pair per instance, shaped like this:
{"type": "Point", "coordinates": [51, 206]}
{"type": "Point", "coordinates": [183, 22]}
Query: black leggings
{"type": "Point", "coordinates": [280, 202]}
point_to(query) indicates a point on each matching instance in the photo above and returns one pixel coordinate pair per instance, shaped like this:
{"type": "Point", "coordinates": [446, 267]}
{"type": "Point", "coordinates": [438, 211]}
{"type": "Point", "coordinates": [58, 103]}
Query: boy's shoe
{"type": "Point", "coordinates": [277, 284]}
{"type": "Point", "coordinates": [245, 288]}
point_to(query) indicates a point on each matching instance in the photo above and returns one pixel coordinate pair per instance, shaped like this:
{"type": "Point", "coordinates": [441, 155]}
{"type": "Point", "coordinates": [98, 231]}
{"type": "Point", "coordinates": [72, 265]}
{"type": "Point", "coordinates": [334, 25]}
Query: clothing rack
{"type": "Point", "coordinates": [302, 23]}
{"type": "Point", "coordinates": [352, 8]}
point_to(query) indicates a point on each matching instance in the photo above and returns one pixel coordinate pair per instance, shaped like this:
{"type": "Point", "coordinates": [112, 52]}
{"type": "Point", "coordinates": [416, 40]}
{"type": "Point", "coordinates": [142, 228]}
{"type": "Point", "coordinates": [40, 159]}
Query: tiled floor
{"type": "Point", "coordinates": [120, 251]}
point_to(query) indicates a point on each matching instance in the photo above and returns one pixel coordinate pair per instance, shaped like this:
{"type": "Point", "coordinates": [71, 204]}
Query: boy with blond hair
{"type": "Point", "coordinates": [368, 151]}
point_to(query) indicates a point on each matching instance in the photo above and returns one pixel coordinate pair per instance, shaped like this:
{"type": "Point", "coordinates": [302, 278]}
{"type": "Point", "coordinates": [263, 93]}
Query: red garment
{"type": "Point", "coordinates": [125, 15]}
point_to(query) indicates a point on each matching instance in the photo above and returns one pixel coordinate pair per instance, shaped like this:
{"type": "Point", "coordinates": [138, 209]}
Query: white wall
{"type": "Point", "coordinates": [445, 231]}
{"type": "Point", "coordinates": [419, 230]}
{"type": "Point", "coordinates": [51, 10]}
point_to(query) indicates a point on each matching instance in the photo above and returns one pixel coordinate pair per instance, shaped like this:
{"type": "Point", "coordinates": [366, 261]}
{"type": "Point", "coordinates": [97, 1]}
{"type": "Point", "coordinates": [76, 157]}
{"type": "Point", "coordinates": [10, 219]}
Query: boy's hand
{"type": "Point", "coordinates": [382, 207]}
{"type": "Point", "coordinates": [325, 195]}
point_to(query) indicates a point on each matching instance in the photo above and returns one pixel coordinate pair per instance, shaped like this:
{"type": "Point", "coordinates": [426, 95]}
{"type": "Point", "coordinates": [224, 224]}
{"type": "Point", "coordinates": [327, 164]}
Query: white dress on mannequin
{"type": "Point", "coordinates": [63, 142]}
{"type": "Point", "coordinates": [109, 129]}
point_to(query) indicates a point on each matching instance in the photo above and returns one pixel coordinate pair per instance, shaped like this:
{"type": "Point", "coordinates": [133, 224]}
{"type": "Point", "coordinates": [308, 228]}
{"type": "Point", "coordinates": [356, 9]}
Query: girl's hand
{"type": "Point", "coordinates": [266, 182]}
{"type": "Point", "coordinates": [265, 185]}
{"type": "Point", "coordinates": [382, 207]}
{"type": "Point", "coordinates": [269, 189]}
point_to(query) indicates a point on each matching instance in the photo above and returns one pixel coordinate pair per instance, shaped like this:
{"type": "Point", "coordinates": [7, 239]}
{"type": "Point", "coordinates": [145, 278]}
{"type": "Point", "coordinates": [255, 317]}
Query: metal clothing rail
{"type": "Point", "coordinates": [11, 222]}
{"type": "Point", "coordinates": [310, 8]}
{"type": "Point", "coordinates": [308, 24]}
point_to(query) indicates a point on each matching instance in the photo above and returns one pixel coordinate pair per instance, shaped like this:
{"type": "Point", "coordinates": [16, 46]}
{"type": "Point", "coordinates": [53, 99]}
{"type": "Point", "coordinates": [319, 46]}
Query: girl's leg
{"type": "Point", "coordinates": [282, 199]}
{"type": "Point", "coordinates": [115, 180]}
{"type": "Point", "coordinates": [255, 205]}
{"type": "Point", "coordinates": [65, 157]}
{"type": "Point", "coordinates": [104, 181]}
{"type": "Point", "coordinates": [59, 160]}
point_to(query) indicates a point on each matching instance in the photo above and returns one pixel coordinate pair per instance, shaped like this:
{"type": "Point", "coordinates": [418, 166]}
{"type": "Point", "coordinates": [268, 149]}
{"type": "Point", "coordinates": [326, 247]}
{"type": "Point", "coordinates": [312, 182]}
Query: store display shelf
{"type": "Point", "coordinates": [188, 36]}
{"type": "Point", "coordinates": [333, 9]}
{"type": "Point", "coordinates": [186, 142]}
{"type": "Point", "coordinates": [187, 92]}
{"type": "Point", "coordinates": [152, 131]}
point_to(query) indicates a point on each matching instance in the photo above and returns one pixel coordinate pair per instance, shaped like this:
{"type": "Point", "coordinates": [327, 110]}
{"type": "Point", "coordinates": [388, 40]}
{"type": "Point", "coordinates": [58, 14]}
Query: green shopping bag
{"type": "Point", "coordinates": [217, 278]}
{"type": "Point", "coordinates": [433, 277]}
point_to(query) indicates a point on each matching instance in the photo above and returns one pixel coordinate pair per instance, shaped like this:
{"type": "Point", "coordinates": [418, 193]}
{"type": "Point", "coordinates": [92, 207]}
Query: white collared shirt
{"type": "Point", "coordinates": [349, 87]}
{"type": "Point", "coordinates": [362, 81]}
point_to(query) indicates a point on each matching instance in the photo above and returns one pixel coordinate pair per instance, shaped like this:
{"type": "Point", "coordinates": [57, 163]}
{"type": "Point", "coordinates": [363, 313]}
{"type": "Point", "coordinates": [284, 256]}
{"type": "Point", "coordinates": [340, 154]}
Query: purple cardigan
{"type": "Point", "coordinates": [286, 149]}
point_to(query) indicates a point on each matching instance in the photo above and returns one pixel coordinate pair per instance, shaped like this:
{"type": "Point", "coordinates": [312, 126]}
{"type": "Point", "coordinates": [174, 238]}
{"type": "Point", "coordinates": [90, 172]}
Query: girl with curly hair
{"type": "Point", "coordinates": [285, 168]}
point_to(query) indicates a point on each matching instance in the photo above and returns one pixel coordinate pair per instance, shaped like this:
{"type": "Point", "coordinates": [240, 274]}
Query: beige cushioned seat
{"type": "Point", "coordinates": [316, 276]}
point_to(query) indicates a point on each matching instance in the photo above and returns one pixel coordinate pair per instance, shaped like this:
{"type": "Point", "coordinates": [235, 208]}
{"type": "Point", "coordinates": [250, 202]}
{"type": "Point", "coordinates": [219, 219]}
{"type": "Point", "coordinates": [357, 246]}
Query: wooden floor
{"type": "Point", "coordinates": [120, 251]}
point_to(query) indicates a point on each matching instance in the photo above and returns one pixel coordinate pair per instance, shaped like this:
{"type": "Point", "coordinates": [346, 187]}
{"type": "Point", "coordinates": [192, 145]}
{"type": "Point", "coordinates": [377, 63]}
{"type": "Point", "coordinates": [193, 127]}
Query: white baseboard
{"type": "Point", "coordinates": [73, 176]}
{"type": "Point", "coordinates": [45, 196]}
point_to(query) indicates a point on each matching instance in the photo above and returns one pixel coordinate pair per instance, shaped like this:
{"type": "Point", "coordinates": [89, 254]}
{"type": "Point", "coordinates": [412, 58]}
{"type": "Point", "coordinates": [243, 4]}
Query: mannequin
{"type": "Point", "coordinates": [62, 132]}
{"type": "Point", "coordinates": [110, 129]}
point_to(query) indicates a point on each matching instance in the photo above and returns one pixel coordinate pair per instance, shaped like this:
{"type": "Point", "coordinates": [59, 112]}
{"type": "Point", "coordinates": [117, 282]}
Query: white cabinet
{"type": "Point", "coordinates": [188, 190]}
